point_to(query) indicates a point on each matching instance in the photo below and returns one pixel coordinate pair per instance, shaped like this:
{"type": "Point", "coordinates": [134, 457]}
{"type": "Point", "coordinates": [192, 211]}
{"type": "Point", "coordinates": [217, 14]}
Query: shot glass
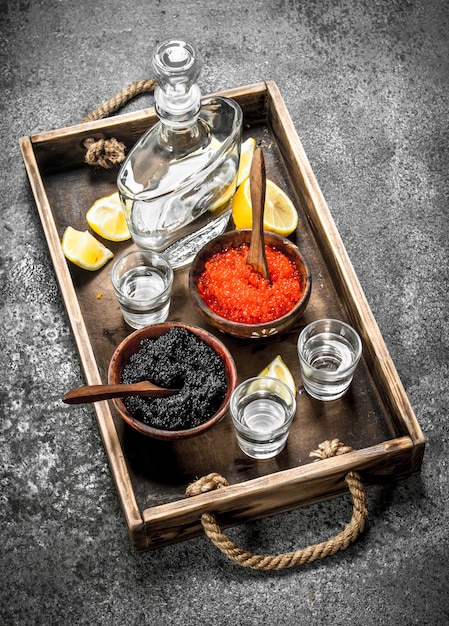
{"type": "Point", "coordinates": [329, 351]}
{"type": "Point", "coordinates": [143, 282]}
{"type": "Point", "coordinates": [262, 410]}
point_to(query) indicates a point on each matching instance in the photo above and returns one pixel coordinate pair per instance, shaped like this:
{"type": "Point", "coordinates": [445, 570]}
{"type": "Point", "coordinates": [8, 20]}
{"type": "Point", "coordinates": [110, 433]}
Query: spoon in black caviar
{"type": "Point", "coordinates": [94, 393]}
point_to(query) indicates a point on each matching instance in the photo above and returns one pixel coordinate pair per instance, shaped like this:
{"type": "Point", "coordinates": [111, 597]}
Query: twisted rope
{"type": "Point", "coordinates": [108, 153]}
{"type": "Point", "coordinates": [341, 541]}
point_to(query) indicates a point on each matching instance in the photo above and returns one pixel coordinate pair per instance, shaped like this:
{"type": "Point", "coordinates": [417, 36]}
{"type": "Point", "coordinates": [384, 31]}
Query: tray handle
{"type": "Point", "coordinates": [312, 553]}
{"type": "Point", "coordinates": [108, 153]}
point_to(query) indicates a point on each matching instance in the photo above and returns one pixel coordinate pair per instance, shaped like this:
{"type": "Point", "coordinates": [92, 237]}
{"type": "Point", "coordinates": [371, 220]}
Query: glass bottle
{"type": "Point", "coordinates": [177, 182]}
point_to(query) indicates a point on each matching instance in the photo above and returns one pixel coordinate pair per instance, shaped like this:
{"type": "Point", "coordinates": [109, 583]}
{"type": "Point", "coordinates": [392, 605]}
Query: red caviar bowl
{"type": "Point", "coordinates": [131, 345]}
{"type": "Point", "coordinates": [233, 239]}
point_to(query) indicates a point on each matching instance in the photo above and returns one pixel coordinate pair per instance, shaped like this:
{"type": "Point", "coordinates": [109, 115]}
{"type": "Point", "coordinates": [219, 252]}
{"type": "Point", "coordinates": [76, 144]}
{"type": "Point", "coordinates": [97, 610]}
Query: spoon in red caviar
{"type": "Point", "coordinates": [94, 393]}
{"type": "Point", "coordinates": [257, 177]}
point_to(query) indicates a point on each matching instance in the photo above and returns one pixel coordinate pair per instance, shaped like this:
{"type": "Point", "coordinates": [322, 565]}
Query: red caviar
{"type": "Point", "coordinates": [232, 289]}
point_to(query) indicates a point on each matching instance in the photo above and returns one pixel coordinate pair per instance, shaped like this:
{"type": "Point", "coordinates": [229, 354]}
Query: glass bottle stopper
{"type": "Point", "coordinates": [177, 65]}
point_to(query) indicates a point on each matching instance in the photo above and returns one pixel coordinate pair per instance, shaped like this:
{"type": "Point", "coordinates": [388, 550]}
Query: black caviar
{"type": "Point", "coordinates": [178, 359]}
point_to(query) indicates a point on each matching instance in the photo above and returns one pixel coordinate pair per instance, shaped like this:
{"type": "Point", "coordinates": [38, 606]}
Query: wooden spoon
{"type": "Point", "coordinates": [257, 177]}
{"type": "Point", "coordinates": [94, 393]}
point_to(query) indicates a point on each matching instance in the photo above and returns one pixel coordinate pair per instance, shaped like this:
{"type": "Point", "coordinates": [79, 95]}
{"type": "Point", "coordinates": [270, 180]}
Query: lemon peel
{"type": "Point", "coordinates": [278, 369]}
{"type": "Point", "coordinates": [246, 156]}
{"type": "Point", "coordinates": [106, 218]}
{"type": "Point", "coordinates": [280, 214]}
{"type": "Point", "coordinates": [83, 250]}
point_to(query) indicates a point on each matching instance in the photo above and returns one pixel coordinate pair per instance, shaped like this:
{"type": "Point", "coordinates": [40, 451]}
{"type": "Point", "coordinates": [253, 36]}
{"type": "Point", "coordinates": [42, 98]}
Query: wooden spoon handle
{"type": "Point", "coordinates": [256, 257]}
{"type": "Point", "coordinates": [94, 393]}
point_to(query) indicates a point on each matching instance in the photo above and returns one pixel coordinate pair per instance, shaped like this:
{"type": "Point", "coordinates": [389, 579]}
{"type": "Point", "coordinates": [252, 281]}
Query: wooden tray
{"type": "Point", "coordinates": [374, 417]}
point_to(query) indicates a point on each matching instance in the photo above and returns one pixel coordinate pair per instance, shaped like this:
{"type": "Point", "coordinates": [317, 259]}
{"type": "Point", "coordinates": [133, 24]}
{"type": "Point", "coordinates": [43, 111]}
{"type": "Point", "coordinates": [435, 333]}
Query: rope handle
{"type": "Point", "coordinates": [108, 153]}
{"type": "Point", "coordinates": [312, 553]}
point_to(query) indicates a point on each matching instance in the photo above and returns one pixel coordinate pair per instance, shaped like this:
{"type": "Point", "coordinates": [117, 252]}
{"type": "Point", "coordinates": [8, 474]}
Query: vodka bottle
{"type": "Point", "coordinates": [177, 182]}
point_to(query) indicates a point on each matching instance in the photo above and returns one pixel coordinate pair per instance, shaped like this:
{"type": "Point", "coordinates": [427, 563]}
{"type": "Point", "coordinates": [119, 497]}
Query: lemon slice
{"type": "Point", "coordinates": [278, 369]}
{"type": "Point", "coordinates": [280, 214]}
{"type": "Point", "coordinates": [106, 218]}
{"type": "Point", "coordinates": [223, 201]}
{"type": "Point", "coordinates": [82, 249]}
{"type": "Point", "coordinates": [246, 157]}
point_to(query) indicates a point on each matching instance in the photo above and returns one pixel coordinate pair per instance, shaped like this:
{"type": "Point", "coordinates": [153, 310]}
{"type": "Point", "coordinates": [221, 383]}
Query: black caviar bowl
{"type": "Point", "coordinates": [233, 239]}
{"type": "Point", "coordinates": [131, 344]}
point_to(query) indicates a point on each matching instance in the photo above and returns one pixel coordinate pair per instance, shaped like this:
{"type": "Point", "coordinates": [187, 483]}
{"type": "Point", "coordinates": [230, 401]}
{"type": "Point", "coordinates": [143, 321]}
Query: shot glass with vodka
{"type": "Point", "coordinates": [262, 410]}
{"type": "Point", "coordinates": [329, 351]}
{"type": "Point", "coordinates": [142, 282]}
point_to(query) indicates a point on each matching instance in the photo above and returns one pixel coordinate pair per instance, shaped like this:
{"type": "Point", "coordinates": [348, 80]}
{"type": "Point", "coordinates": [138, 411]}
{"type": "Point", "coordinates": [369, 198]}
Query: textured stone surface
{"type": "Point", "coordinates": [366, 84]}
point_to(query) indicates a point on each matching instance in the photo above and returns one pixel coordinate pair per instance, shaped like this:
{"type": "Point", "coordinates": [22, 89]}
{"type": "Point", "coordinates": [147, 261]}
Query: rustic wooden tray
{"type": "Point", "coordinates": [374, 417]}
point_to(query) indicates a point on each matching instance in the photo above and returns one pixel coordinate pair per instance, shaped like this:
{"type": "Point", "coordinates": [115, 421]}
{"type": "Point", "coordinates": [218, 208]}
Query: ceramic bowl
{"type": "Point", "coordinates": [131, 344]}
{"type": "Point", "coordinates": [249, 331]}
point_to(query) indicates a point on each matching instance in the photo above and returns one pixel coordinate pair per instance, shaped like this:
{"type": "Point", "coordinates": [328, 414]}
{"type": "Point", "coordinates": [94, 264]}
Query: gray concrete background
{"type": "Point", "coordinates": [366, 85]}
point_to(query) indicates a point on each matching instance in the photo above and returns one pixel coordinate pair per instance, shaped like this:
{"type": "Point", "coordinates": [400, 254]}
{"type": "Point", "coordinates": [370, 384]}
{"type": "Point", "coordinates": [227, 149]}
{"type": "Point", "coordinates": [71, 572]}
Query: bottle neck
{"type": "Point", "coordinates": [183, 139]}
{"type": "Point", "coordinates": [178, 109]}
{"type": "Point", "coordinates": [176, 66]}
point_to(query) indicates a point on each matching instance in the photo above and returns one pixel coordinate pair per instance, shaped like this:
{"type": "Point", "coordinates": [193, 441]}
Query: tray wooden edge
{"type": "Point", "coordinates": [67, 144]}
{"type": "Point", "coordinates": [278, 492]}
{"type": "Point", "coordinates": [103, 415]}
{"type": "Point", "coordinates": [256, 92]}
{"type": "Point", "coordinates": [375, 349]}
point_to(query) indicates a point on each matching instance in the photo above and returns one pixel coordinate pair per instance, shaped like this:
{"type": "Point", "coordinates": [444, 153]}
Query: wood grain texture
{"type": "Point", "coordinates": [256, 257]}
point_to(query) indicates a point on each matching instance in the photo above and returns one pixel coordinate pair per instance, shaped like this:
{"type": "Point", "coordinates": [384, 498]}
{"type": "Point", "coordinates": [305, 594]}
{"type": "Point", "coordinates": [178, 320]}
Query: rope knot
{"type": "Point", "coordinates": [206, 483]}
{"type": "Point", "coordinates": [106, 153]}
{"type": "Point", "coordinates": [330, 448]}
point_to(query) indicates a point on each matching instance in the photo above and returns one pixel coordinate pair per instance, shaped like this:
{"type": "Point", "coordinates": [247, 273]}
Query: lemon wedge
{"type": "Point", "coordinates": [82, 249]}
{"type": "Point", "coordinates": [223, 202]}
{"type": "Point", "coordinates": [278, 369]}
{"type": "Point", "coordinates": [280, 214]}
{"type": "Point", "coordinates": [246, 156]}
{"type": "Point", "coordinates": [106, 218]}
